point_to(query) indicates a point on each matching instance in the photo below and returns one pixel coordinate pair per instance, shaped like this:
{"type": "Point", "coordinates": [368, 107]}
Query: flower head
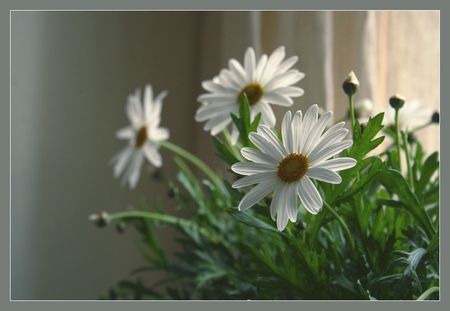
{"type": "Point", "coordinates": [142, 134]}
{"type": "Point", "coordinates": [287, 167]}
{"type": "Point", "coordinates": [268, 81]}
{"type": "Point", "coordinates": [413, 114]}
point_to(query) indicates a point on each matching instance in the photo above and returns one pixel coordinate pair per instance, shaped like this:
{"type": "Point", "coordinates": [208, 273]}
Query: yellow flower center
{"type": "Point", "coordinates": [141, 137]}
{"type": "Point", "coordinates": [293, 167]}
{"type": "Point", "coordinates": [254, 92]}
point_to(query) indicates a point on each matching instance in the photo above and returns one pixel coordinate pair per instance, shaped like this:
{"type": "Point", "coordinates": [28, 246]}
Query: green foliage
{"type": "Point", "coordinates": [392, 251]}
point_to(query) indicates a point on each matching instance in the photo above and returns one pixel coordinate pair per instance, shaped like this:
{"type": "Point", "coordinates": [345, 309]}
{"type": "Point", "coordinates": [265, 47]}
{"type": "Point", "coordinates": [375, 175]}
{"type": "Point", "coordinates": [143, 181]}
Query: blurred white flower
{"type": "Point", "coordinates": [363, 108]}
{"type": "Point", "coordinates": [268, 81]}
{"type": "Point", "coordinates": [287, 166]}
{"type": "Point", "coordinates": [143, 135]}
{"type": "Point", "coordinates": [412, 115]}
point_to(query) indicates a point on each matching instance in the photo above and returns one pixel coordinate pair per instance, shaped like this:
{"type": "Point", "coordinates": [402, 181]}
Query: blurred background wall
{"type": "Point", "coordinates": [72, 71]}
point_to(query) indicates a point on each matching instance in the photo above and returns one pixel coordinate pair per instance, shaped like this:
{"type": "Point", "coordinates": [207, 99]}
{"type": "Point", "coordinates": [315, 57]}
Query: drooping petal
{"type": "Point", "coordinates": [309, 196]}
{"type": "Point", "coordinates": [152, 154]}
{"type": "Point", "coordinates": [135, 169]}
{"type": "Point", "coordinates": [258, 193]}
{"type": "Point", "coordinates": [121, 160]}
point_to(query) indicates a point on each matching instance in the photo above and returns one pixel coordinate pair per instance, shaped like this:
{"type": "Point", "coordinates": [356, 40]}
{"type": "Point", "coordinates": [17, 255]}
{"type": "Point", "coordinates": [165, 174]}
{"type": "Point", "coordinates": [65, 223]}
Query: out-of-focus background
{"type": "Point", "coordinates": [71, 72]}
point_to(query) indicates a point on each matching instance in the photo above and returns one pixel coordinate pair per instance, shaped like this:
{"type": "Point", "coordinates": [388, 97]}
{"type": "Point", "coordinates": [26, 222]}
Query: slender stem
{"type": "Point", "coordinates": [352, 113]}
{"type": "Point", "coordinates": [171, 220]}
{"type": "Point", "coordinates": [194, 160]}
{"type": "Point", "coordinates": [428, 292]}
{"type": "Point", "coordinates": [408, 160]}
{"type": "Point", "coordinates": [344, 226]}
{"type": "Point", "coordinates": [397, 134]}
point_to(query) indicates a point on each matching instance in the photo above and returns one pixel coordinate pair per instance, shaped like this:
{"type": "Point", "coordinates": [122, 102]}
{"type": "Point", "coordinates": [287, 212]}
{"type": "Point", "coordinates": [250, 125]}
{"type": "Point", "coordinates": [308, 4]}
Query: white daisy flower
{"type": "Point", "coordinates": [268, 81]}
{"type": "Point", "coordinates": [143, 135]}
{"type": "Point", "coordinates": [412, 115]}
{"type": "Point", "coordinates": [287, 167]}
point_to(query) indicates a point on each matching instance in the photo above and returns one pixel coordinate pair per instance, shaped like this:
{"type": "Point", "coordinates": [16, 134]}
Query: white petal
{"type": "Point", "coordinates": [249, 64]}
{"type": "Point", "coordinates": [238, 73]}
{"type": "Point", "coordinates": [285, 65]}
{"type": "Point", "coordinates": [325, 175]}
{"type": "Point", "coordinates": [282, 215]}
{"type": "Point", "coordinates": [260, 67]}
{"type": "Point", "coordinates": [267, 115]}
{"type": "Point", "coordinates": [217, 124]}
{"type": "Point", "coordinates": [338, 164]}
{"type": "Point", "coordinates": [135, 169]}
{"type": "Point", "coordinates": [258, 156]}
{"type": "Point", "coordinates": [121, 160]}
{"type": "Point", "coordinates": [126, 133]}
{"type": "Point", "coordinates": [316, 132]}
{"type": "Point", "coordinates": [291, 201]}
{"type": "Point", "coordinates": [134, 112]}
{"type": "Point", "coordinates": [292, 91]}
{"type": "Point", "coordinates": [209, 111]}
{"type": "Point", "coordinates": [272, 64]}
{"type": "Point", "coordinates": [286, 130]}
{"type": "Point", "coordinates": [255, 179]}
{"type": "Point", "coordinates": [297, 136]}
{"type": "Point", "coordinates": [152, 154]}
{"type": "Point", "coordinates": [214, 97]}
{"type": "Point", "coordinates": [272, 140]}
{"type": "Point", "coordinates": [159, 134]}
{"type": "Point", "coordinates": [309, 120]}
{"type": "Point", "coordinates": [148, 98]}
{"type": "Point", "coordinates": [285, 79]}
{"type": "Point", "coordinates": [309, 196]}
{"type": "Point", "coordinates": [258, 193]}
{"type": "Point", "coordinates": [278, 99]}
{"type": "Point", "coordinates": [249, 168]}
{"type": "Point", "coordinates": [315, 159]}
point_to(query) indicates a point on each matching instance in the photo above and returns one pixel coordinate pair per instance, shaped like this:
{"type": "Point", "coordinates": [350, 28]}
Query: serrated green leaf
{"type": "Point", "coordinates": [430, 166]}
{"type": "Point", "coordinates": [223, 152]}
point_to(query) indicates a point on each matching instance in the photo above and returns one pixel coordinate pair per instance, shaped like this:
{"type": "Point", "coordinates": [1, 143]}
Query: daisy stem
{"type": "Point", "coordinates": [194, 160]}
{"type": "Point", "coordinates": [397, 136]}
{"type": "Point", "coordinates": [171, 220]}
{"type": "Point", "coordinates": [344, 226]}
{"type": "Point", "coordinates": [408, 160]}
{"type": "Point", "coordinates": [352, 113]}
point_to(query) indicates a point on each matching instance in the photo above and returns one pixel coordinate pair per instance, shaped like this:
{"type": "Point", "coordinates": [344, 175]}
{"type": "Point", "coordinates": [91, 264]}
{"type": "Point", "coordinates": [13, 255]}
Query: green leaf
{"type": "Point", "coordinates": [244, 124]}
{"type": "Point", "coordinates": [394, 181]}
{"type": "Point", "coordinates": [359, 185]}
{"type": "Point", "coordinates": [223, 152]}
{"type": "Point", "coordinates": [365, 142]}
{"type": "Point", "coordinates": [430, 166]}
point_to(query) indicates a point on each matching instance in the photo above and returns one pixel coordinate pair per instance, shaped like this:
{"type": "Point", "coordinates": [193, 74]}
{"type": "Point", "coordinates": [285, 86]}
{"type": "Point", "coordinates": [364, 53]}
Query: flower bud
{"type": "Point", "coordinates": [435, 117]}
{"type": "Point", "coordinates": [411, 138]}
{"type": "Point", "coordinates": [99, 218]}
{"type": "Point", "coordinates": [397, 101]}
{"type": "Point", "coordinates": [363, 126]}
{"type": "Point", "coordinates": [269, 199]}
{"type": "Point", "coordinates": [351, 84]}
